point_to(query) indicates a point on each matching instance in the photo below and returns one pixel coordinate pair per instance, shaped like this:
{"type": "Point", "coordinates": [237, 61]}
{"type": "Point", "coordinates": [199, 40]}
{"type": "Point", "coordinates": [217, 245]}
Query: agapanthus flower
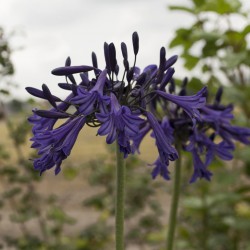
{"type": "Point", "coordinates": [211, 135]}
{"type": "Point", "coordinates": [190, 104]}
{"type": "Point", "coordinates": [120, 101]}
{"type": "Point", "coordinates": [55, 145]}
{"type": "Point", "coordinates": [119, 124]}
{"type": "Point", "coordinates": [89, 99]}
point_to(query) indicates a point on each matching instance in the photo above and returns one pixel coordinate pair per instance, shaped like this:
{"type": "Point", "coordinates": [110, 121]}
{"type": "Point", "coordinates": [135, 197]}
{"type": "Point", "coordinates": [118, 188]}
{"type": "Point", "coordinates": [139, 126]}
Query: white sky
{"type": "Point", "coordinates": [47, 31]}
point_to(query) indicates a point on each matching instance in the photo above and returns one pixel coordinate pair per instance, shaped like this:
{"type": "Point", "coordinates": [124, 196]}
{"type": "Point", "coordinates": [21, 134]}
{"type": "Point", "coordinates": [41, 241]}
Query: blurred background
{"type": "Point", "coordinates": [74, 210]}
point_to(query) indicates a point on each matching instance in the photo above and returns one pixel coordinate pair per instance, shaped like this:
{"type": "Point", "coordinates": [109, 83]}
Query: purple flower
{"type": "Point", "coordinates": [190, 104]}
{"type": "Point", "coordinates": [126, 109]}
{"type": "Point", "coordinates": [166, 151]}
{"type": "Point", "coordinates": [55, 145]}
{"type": "Point", "coordinates": [93, 99]}
{"type": "Point", "coordinates": [160, 169]}
{"type": "Point", "coordinates": [217, 117]}
{"type": "Point", "coordinates": [223, 150]}
{"type": "Point", "coordinates": [119, 124]}
{"type": "Point", "coordinates": [41, 124]}
{"type": "Point", "coordinates": [168, 129]}
{"type": "Point", "coordinates": [137, 139]}
{"type": "Point", "coordinates": [200, 144]}
{"type": "Point", "coordinates": [200, 170]}
{"type": "Point", "coordinates": [230, 133]}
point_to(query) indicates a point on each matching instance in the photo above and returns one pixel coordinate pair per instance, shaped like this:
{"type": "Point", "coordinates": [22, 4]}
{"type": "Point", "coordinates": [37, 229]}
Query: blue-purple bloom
{"type": "Point", "coordinates": [119, 124]}
{"type": "Point", "coordinates": [190, 104]}
{"type": "Point", "coordinates": [212, 135]}
{"type": "Point", "coordinates": [89, 100]}
{"type": "Point", "coordinates": [166, 151]}
{"type": "Point", "coordinates": [55, 145]}
{"type": "Point", "coordinates": [126, 103]}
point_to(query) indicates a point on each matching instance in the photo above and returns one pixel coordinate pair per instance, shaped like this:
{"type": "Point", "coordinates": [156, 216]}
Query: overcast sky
{"type": "Point", "coordinates": [47, 31]}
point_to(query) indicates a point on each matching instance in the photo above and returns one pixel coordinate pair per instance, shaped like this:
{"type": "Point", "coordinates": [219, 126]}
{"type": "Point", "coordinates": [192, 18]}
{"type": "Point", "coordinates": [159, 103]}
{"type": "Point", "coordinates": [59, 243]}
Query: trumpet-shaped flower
{"type": "Point", "coordinates": [55, 145]}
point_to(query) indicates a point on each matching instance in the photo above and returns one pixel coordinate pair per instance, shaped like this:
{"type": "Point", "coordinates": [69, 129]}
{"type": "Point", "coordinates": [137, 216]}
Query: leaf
{"type": "Point", "coordinates": [235, 39]}
{"type": "Point", "coordinates": [212, 36]}
{"type": "Point", "coordinates": [199, 3]}
{"type": "Point", "coordinates": [190, 61]}
{"type": "Point", "coordinates": [222, 6]}
{"type": "Point", "coordinates": [4, 91]}
{"type": "Point", "coordinates": [232, 60]}
{"type": "Point", "coordinates": [246, 30]}
{"type": "Point", "coordinates": [206, 68]}
{"type": "Point", "coordinates": [209, 49]}
{"type": "Point", "coordinates": [181, 8]}
{"type": "Point", "coordinates": [195, 85]}
{"type": "Point", "coordinates": [181, 38]}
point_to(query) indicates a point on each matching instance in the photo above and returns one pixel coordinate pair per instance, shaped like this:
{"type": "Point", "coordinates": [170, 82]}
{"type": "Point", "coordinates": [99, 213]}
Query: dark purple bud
{"type": "Point", "coordinates": [171, 88]}
{"type": "Point", "coordinates": [135, 40]}
{"type": "Point", "coordinates": [72, 79]}
{"type": "Point", "coordinates": [38, 93]}
{"type": "Point", "coordinates": [141, 79]}
{"type": "Point", "coordinates": [170, 61]}
{"type": "Point", "coordinates": [68, 70]}
{"type": "Point", "coordinates": [218, 95]}
{"type": "Point", "coordinates": [184, 82]}
{"type": "Point", "coordinates": [167, 77]}
{"type": "Point", "coordinates": [130, 74]}
{"type": "Point", "coordinates": [183, 91]}
{"type": "Point", "coordinates": [124, 51]}
{"type": "Point", "coordinates": [151, 69]}
{"type": "Point", "coordinates": [107, 58]}
{"type": "Point", "coordinates": [68, 61]}
{"type": "Point", "coordinates": [112, 57]}
{"type": "Point", "coordinates": [48, 95]}
{"type": "Point", "coordinates": [162, 59]}
{"type": "Point", "coordinates": [65, 86]}
{"type": "Point", "coordinates": [117, 69]}
{"type": "Point", "coordinates": [35, 92]}
{"type": "Point", "coordinates": [94, 60]}
{"type": "Point", "coordinates": [126, 65]}
{"type": "Point", "coordinates": [51, 114]}
{"type": "Point", "coordinates": [85, 79]}
{"type": "Point", "coordinates": [68, 86]}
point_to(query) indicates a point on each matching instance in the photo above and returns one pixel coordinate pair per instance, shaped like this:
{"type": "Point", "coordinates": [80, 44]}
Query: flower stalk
{"type": "Point", "coordinates": [120, 196]}
{"type": "Point", "coordinates": [174, 202]}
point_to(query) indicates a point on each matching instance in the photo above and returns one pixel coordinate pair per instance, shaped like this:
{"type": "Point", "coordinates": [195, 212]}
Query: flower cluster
{"type": "Point", "coordinates": [127, 105]}
{"type": "Point", "coordinates": [210, 134]}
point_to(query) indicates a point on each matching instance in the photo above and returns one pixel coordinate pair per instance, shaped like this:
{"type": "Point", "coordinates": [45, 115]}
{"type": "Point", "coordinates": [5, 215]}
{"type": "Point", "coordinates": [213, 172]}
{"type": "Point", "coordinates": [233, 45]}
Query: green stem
{"type": "Point", "coordinates": [120, 194]}
{"type": "Point", "coordinates": [174, 203]}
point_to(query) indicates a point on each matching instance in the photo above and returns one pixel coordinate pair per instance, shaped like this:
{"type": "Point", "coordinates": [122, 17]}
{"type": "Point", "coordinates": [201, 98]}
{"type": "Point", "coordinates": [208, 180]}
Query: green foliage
{"type": "Point", "coordinates": [222, 48]}
{"type": "Point", "coordinates": [218, 213]}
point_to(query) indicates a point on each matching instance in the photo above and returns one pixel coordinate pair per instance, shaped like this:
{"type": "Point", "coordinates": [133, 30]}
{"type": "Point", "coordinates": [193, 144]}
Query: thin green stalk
{"type": "Point", "coordinates": [174, 203]}
{"type": "Point", "coordinates": [120, 195]}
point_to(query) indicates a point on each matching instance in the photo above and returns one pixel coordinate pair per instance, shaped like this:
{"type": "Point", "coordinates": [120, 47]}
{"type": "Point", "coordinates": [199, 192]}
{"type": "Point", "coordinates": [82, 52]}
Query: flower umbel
{"type": "Point", "coordinates": [121, 104]}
